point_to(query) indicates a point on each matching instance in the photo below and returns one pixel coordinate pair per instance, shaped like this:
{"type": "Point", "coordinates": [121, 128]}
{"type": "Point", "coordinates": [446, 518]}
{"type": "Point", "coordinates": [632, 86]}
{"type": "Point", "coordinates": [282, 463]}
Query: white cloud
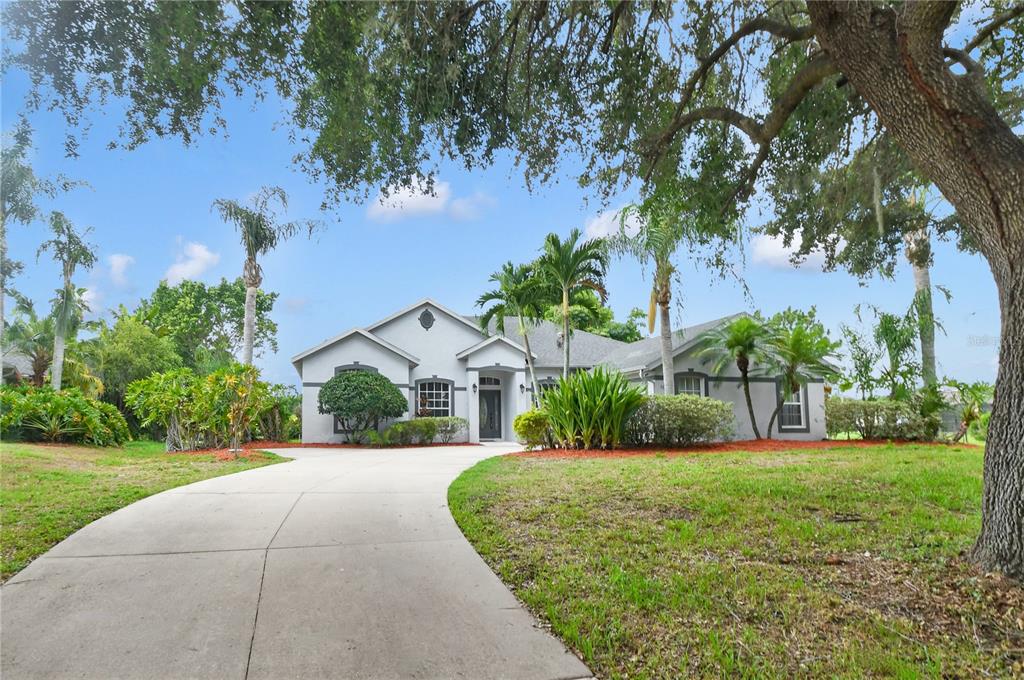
{"type": "Point", "coordinates": [470, 207]}
{"type": "Point", "coordinates": [194, 259]}
{"type": "Point", "coordinates": [770, 251]}
{"type": "Point", "coordinates": [418, 201]}
{"type": "Point", "coordinates": [409, 202]}
{"type": "Point", "coordinates": [119, 263]}
{"type": "Point", "coordinates": [607, 224]}
{"type": "Point", "coordinates": [93, 299]}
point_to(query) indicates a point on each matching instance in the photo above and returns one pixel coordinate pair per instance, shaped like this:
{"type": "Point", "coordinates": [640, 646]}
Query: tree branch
{"type": "Point", "coordinates": [994, 25]}
{"type": "Point", "coordinates": [813, 72]}
{"type": "Point", "coordinates": [759, 25]}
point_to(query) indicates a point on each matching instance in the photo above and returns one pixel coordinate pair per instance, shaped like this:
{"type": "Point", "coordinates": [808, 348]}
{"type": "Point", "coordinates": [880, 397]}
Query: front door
{"type": "Point", "coordinates": [490, 414]}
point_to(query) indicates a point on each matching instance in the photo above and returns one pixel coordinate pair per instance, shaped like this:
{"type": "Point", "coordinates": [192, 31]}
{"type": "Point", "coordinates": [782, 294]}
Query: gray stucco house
{"type": "Point", "coordinates": [448, 366]}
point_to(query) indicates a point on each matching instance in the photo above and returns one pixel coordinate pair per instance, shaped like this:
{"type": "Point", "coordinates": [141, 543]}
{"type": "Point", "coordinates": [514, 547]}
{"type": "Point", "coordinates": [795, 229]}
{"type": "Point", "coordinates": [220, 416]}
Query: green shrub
{"type": "Point", "coordinates": [978, 430]}
{"type": "Point", "coordinates": [220, 409]}
{"type": "Point", "coordinates": [680, 420]}
{"type": "Point", "coordinates": [532, 428]}
{"type": "Point", "coordinates": [40, 414]}
{"type": "Point", "coordinates": [399, 434]}
{"type": "Point", "coordinates": [879, 419]}
{"type": "Point", "coordinates": [449, 427]}
{"type": "Point", "coordinates": [422, 430]}
{"type": "Point", "coordinates": [360, 400]}
{"type": "Point", "coordinates": [590, 409]}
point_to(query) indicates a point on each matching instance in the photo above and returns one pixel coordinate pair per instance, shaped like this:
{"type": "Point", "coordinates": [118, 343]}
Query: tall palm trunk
{"type": "Point", "coordinates": [565, 332]}
{"type": "Point", "coordinates": [667, 363]}
{"type": "Point", "coordinates": [249, 325]}
{"type": "Point", "coordinates": [743, 363]}
{"type": "Point", "coordinates": [57, 369]}
{"type": "Point", "coordinates": [529, 363]}
{"type": "Point", "coordinates": [251, 275]}
{"type": "Point", "coordinates": [918, 250]}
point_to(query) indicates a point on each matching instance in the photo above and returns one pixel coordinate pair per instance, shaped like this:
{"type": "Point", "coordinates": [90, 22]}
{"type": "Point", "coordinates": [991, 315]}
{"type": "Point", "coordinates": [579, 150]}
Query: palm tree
{"type": "Point", "coordinates": [742, 341]}
{"type": "Point", "coordinates": [520, 294]}
{"type": "Point", "coordinates": [32, 337]}
{"type": "Point", "coordinates": [260, 231]}
{"type": "Point", "coordinates": [657, 240]}
{"type": "Point", "coordinates": [71, 252]}
{"type": "Point", "coordinates": [571, 266]}
{"type": "Point", "coordinates": [798, 348]}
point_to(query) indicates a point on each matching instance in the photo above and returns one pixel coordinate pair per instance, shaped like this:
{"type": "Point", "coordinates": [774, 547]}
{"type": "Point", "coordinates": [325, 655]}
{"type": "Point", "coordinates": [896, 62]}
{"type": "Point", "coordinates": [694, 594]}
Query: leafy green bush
{"type": "Point", "coordinates": [591, 409]}
{"type": "Point", "coordinates": [360, 400]}
{"type": "Point", "coordinates": [880, 419]}
{"type": "Point", "coordinates": [424, 430]}
{"type": "Point", "coordinates": [220, 409]}
{"type": "Point", "coordinates": [449, 427]}
{"type": "Point", "coordinates": [679, 420]}
{"type": "Point", "coordinates": [34, 414]}
{"type": "Point", "coordinates": [532, 428]}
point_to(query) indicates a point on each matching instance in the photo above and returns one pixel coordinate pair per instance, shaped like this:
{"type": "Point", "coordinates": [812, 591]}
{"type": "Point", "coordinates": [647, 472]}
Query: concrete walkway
{"type": "Point", "coordinates": [344, 563]}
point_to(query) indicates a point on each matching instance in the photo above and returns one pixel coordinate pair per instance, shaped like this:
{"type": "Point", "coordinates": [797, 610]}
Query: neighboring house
{"type": "Point", "coordinates": [16, 367]}
{"type": "Point", "coordinates": [448, 366]}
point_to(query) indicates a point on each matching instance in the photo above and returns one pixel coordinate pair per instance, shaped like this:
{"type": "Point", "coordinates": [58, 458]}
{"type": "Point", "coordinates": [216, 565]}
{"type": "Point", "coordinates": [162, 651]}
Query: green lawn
{"type": "Point", "coordinates": [49, 492]}
{"type": "Point", "coordinates": [836, 563]}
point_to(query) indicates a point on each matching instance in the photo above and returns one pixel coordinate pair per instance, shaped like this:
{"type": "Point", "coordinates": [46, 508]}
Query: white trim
{"type": "Point", "coordinates": [485, 343]}
{"type": "Point", "coordinates": [799, 392]}
{"type": "Point", "coordinates": [354, 331]}
{"type": "Point", "coordinates": [424, 301]}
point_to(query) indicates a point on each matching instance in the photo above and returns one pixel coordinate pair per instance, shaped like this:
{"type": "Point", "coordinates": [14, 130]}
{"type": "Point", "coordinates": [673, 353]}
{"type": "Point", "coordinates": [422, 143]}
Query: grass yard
{"type": "Point", "coordinates": [48, 492]}
{"type": "Point", "coordinates": [844, 562]}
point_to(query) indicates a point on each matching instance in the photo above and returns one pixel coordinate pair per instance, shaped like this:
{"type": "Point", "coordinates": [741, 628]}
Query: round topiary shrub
{"type": "Point", "coordinates": [532, 428]}
{"type": "Point", "coordinates": [360, 400]}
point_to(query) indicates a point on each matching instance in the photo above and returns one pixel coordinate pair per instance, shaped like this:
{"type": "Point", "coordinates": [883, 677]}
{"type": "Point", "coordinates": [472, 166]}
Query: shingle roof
{"type": "Point", "coordinates": [645, 352]}
{"type": "Point", "coordinates": [589, 349]}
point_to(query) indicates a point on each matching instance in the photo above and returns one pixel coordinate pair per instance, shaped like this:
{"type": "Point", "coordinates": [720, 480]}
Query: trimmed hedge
{"type": "Point", "coordinates": [679, 420]}
{"type": "Point", "coordinates": [879, 419]}
{"type": "Point", "coordinates": [532, 428]}
{"type": "Point", "coordinates": [416, 431]}
{"type": "Point", "coordinates": [40, 414]}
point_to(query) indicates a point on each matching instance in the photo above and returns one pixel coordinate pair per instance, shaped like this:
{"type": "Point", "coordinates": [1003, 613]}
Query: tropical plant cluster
{"type": "Point", "coordinates": [424, 430]}
{"type": "Point", "coordinates": [42, 414]}
{"type": "Point", "coordinates": [223, 409]}
{"type": "Point", "coordinates": [879, 419]}
{"type": "Point", "coordinates": [590, 409]}
{"type": "Point", "coordinates": [679, 420]}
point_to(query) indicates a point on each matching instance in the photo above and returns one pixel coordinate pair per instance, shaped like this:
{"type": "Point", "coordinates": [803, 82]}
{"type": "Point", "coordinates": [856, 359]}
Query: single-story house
{"type": "Point", "coordinates": [448, 366]}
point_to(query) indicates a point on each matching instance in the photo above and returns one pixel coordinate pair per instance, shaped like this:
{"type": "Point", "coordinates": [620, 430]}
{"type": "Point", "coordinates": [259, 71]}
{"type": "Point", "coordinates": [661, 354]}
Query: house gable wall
{"type": "Point", "coordinates": [318, 368]}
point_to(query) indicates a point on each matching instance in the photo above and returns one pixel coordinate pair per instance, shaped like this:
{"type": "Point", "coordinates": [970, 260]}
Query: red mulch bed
{"type": "Point", "coordinates": [300, 445]}
{"type": "Point", "coordinates": [747, 445]}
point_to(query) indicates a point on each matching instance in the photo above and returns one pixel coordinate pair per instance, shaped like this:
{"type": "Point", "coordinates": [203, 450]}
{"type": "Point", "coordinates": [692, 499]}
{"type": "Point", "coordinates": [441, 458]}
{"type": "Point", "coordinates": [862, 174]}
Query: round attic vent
{"type": "Point", "coordinates": [426, 319]}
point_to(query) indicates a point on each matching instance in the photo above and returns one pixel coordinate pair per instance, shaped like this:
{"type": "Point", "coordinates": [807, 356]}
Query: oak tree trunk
{"type": "Point", "coordinates": [667, 363]}
{"type": "Point", "coordinates": [249, 325]}
{"type": "Point", "coordinates": [946, 124]}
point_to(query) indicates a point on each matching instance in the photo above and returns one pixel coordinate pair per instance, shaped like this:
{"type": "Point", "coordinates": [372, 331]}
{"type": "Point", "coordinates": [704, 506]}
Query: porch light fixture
{"type": "Point", "coordinates": [474, 388]}
{"type": "Point", "coordinates": [522, 388]}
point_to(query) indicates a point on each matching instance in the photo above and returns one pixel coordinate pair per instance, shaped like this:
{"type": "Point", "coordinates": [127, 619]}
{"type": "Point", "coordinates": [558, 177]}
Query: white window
{"type": "Point", "coordinates": [792, 414]}
{"type": "Point", "coordinates": [434, 398]}
{"type": "Point", "coordinates": [690, 384]}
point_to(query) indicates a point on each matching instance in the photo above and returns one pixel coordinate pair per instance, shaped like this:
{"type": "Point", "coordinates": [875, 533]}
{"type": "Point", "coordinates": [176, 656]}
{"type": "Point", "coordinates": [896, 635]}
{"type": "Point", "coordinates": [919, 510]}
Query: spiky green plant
{"type": "Point", "coordinates": [590, 409]}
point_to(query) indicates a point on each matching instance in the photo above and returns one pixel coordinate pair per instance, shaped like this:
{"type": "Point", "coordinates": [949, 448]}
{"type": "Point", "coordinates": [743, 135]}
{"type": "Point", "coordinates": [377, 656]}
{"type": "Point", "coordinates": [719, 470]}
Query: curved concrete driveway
{"type": "Point", "coordinates": [344, 563]}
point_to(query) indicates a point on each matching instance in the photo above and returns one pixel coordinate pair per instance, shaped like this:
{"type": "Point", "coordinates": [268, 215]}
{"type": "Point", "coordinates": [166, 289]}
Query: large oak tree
{"type": "Point", "coordinates": [823, 107]}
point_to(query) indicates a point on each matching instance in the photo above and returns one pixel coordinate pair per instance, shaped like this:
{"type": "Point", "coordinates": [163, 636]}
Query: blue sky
{"type": "Point", "coordinates": [150, 211]}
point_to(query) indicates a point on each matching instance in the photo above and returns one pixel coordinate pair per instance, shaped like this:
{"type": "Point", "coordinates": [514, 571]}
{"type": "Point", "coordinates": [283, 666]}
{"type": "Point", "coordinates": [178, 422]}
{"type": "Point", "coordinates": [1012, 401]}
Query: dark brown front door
{"type": "Point", "coordinates": [490, 414]}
